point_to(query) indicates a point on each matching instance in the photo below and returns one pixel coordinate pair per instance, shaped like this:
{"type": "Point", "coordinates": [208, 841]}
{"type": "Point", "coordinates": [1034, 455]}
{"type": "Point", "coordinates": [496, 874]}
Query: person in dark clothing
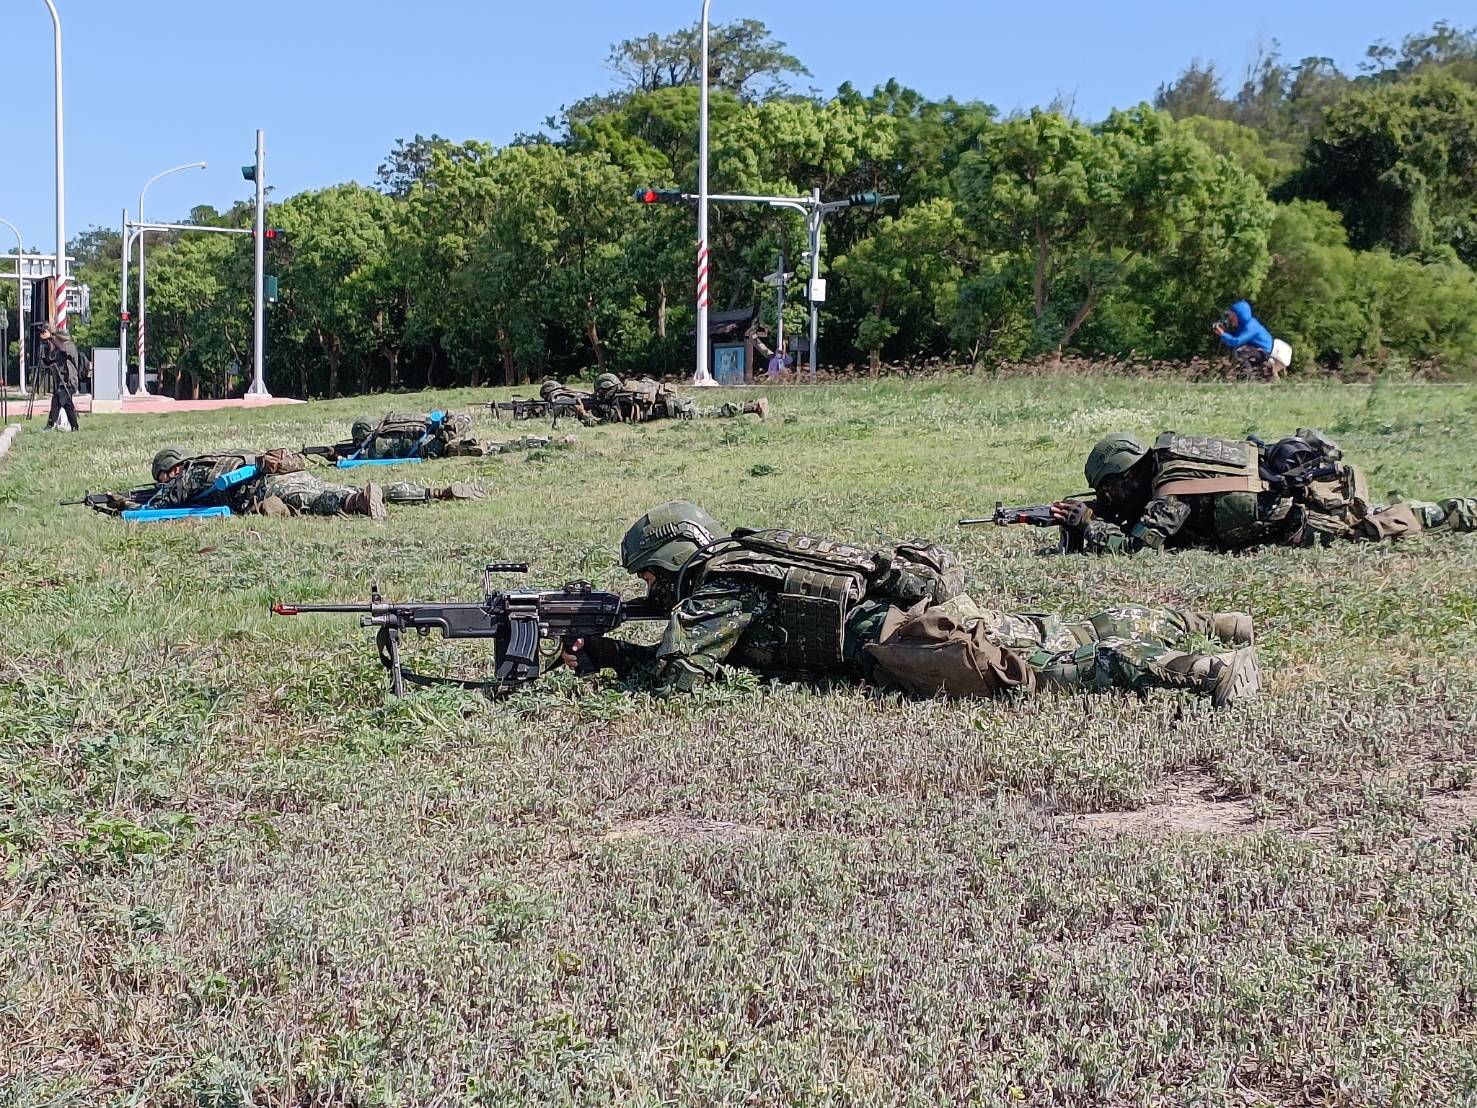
{"type": "Point", "coordinates": [59, 355]}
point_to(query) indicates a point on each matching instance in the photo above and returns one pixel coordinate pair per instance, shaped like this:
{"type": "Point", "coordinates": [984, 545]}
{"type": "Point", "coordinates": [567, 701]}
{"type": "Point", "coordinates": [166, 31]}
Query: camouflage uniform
{"type": "Point", "coordinates": [1131, 647]}
{"type": "Point", "coordinates": [642, 400]}
{"type": "Point", "coordinates": [793, 605]}
{"type": "Point", "coordinates": [402, 436]}
{"type": "Point", "coordinates": [301, 491]}
{"type": "Point", "coordinates": [1220, 494]}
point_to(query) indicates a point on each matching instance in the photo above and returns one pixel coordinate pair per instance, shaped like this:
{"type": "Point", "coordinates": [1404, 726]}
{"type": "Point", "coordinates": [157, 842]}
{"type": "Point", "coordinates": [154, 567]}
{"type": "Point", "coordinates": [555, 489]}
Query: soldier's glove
{"type": "Point", "coordinates": [1079, 517]}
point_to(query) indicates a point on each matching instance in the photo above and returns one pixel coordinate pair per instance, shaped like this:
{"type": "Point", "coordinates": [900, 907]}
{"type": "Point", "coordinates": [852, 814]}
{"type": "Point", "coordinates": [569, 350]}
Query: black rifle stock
{"type": "Point", "coordinates": [516, 620]}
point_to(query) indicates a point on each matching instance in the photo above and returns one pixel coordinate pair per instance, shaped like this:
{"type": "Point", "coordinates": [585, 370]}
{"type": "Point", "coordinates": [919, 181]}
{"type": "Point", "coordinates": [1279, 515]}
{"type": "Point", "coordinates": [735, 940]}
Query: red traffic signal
{"type": "Point", "coordinates": [659, 196]}
{"type": "Point", "coordinates": [272, 234]}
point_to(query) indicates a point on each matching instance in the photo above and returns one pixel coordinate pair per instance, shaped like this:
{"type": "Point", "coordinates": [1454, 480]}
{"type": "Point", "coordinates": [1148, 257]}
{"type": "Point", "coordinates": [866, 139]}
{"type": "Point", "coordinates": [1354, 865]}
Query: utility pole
{"type": "Point", "coordinates": [60, 288]}
{"type": "Point", "coordinates": [258, 173]}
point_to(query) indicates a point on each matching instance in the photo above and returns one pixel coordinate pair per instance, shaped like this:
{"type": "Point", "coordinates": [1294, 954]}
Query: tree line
{"type": "Point", "coordinates": [1344, 205]}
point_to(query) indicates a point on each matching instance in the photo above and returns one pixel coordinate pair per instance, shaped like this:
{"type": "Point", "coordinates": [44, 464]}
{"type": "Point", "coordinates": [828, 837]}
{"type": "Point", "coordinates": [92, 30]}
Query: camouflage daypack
{"type": "Point", "coordinates": [819, 583]}
{"type": "Point", "coordinates": [191, 488]}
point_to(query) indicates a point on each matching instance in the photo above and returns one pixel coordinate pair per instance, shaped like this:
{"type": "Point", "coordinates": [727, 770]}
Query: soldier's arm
{"type": "Point", "coordinates": [703, 631]}
{"type": "Point", "coordinates": [1161, 520]}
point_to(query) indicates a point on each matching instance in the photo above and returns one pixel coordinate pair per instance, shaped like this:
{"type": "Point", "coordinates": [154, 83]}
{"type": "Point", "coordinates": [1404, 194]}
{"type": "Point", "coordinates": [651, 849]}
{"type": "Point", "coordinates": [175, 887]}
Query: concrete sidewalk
{"type": "Point", "coordinates": [131, 405]}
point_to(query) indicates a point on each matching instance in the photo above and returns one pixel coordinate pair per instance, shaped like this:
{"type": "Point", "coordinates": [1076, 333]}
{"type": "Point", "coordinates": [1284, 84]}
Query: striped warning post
{"type": "Point", "coordinates": [702, 275]}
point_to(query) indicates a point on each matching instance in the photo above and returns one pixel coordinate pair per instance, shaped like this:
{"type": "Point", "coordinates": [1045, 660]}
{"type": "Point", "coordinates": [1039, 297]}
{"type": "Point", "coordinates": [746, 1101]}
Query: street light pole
{"type": "Point", "coordinates": [703, 376]}
{"type": "Point", "coordinates": [140, 387]}
{"type": "Point", "coordinates": [61, 191]}
{"type": "Point", "coordinates": [20, 303]}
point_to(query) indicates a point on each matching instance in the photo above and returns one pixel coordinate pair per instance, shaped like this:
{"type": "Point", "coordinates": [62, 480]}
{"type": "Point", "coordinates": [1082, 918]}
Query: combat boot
{"type": "Point", "coordinates": [1226, 678]}
{"type": "Point", "coordinates": [368, 501]}
{"type": "Point", "coordinates": [1231, 627]}
{"type": "Point", "coordinates": [758, 407]}
{"type": "Point", "coordinates": [458, 490]}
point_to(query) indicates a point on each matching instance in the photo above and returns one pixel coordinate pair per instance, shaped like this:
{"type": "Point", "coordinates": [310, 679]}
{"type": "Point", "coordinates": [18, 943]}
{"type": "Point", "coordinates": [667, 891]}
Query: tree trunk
{"type": "Point", "coordinates": [592, 333]}
{"type": "Point", "coordinates": [1038, 279]}
{"type": "Point", "coordinates": [661, 310]}
{"type": "Point", "coordinates": [332, 349]}
{"type": "Point", "coordinates": [505, 344]}
{"type": "Point", "coordinates": [1077, 320]}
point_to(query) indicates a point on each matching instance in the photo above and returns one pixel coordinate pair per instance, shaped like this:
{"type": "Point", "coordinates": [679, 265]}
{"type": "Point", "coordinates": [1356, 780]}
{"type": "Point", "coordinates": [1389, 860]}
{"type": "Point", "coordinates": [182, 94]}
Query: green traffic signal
{"type": "Point", "coordinates": [864, 199]}
{"type": "Point", "coordinates": [249, 172]}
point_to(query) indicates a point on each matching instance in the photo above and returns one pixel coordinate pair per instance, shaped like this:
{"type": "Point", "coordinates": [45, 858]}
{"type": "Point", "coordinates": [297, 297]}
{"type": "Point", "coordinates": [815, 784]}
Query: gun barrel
{"type": "Point", "coordinates": [283, 609]}
{"type": "Point", "coordinates": [975, 522]}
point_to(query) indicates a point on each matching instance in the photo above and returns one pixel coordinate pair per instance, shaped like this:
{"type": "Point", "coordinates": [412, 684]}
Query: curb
{"type": "Point", "coordinates": [7, 436]}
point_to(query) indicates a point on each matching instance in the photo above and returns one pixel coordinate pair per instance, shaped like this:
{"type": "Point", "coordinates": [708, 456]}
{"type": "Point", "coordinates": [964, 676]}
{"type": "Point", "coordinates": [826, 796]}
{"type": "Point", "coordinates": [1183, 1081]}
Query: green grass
{"type": "Point", "coordinates": [234, 871]}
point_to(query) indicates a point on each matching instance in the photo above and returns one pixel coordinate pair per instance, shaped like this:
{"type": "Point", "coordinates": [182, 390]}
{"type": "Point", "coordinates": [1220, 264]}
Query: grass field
{"type": "Point", "coordinates": [235, 872]}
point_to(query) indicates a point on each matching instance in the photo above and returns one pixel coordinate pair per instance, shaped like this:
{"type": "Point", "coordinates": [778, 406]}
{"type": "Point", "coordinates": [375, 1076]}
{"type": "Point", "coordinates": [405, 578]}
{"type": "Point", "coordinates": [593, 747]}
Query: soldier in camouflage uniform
{"type": "Point", "coordinates": [641, 400]}
{"type": "Point", "coordinates": [281, 486]}
{"type": "Point", "coordinates": [1224, 494]}
{"type": "Point", "coordinates": [406, 436]}
{"type": "Point", "coordinates": [798, 606]}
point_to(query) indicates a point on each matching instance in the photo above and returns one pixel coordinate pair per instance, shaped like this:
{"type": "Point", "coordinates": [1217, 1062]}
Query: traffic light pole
{"type": "Point", "coordinates": [259, 307]}
{"type": "Point", "coordinates": [812, 207]}
{"type": "Point", "coordinates": [132, 231]}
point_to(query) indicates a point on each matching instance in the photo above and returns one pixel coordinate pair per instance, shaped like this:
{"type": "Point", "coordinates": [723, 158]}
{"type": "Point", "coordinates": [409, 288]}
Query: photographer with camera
{"type": "Point", "coordinates": [1251, 344]}
{"type": "Point", "coordinates": [59, 355]}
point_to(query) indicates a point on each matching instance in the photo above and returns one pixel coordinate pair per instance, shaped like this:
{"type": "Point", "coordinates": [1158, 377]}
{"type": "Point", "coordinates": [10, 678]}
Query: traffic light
{"type": "Point", "coordinates": [658, 196]}
{"type": "Point", "coordinates": [275, 234]}
{"type": "Point", "coordinates": [864, 199]}
{"type": "Point", "coordinates": [249, 172]}
{"type": "Point", "coordinates": [269, 288]}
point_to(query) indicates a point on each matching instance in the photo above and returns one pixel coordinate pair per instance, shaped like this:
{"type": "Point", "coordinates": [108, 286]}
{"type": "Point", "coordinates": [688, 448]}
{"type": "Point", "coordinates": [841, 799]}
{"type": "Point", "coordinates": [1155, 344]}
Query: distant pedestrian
{"type": "Point", "coordinates": [59, 355]}
{"type": "Point", "coordinates": [778, 364]}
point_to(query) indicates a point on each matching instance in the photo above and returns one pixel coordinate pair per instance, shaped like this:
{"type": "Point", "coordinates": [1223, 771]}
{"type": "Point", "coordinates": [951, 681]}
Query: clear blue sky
{"type": "Point", "coordinates": [335, 82]}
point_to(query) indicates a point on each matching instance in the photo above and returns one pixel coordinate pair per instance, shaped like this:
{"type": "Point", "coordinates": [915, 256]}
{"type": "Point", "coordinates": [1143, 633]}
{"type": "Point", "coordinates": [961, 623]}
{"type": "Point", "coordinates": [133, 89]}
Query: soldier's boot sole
{"type": "Point", "coordinates": [1240, 678]}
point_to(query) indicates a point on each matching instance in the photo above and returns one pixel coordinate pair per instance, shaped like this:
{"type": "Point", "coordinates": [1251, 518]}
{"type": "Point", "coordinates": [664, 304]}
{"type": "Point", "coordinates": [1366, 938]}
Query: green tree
{"type": "Point", "coordinates": [1399, 161]}
{"type": "Point", "coordinates": [332, 274]}
{"type": "Point", "coordinates": [1079, 208]}
{"type": "Point", "coordinates": [908, 270]}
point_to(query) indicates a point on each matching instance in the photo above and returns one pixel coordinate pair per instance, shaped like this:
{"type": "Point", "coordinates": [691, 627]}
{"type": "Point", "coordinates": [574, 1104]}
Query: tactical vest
{"type": "Point", "coordinates": [1194, 465]}
{"type": "Point", "coordinates": [819, 583]}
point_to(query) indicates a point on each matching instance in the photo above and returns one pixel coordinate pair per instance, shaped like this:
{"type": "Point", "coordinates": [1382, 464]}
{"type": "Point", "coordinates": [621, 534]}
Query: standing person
{"type": "Point", "coordinates": [778, 363]}
{"type": "Point", "coordinates": [59, 355]}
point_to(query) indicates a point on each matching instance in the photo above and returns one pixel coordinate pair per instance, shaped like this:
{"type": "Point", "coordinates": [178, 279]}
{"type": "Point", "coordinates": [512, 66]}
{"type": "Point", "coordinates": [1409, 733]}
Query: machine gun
{"type": "Point", "coordinates": [1033, 515]}
{"type": "Point", "coordinates": [516, 620]}
{"type": "Point", "coordinates": [527, 408]}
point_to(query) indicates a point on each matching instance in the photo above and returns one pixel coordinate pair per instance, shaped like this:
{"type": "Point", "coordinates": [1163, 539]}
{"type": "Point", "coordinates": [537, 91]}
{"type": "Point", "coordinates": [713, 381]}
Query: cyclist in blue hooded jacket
{"type": "Point", "coordinates": [1249, 341]}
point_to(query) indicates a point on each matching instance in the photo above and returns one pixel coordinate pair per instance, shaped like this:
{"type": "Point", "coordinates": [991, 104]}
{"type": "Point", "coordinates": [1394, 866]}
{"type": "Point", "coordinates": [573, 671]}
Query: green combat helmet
{"type": "Point", "coordinates": [1113, 455]}
{"type": "Point", "coordinates": [608, 383]}
{"type": "Point", "coordinates": [360, 430]}
{"type": "Point", "coordinates": [166, 460]}
{"type": "Point", "coordinates": [668, 535]}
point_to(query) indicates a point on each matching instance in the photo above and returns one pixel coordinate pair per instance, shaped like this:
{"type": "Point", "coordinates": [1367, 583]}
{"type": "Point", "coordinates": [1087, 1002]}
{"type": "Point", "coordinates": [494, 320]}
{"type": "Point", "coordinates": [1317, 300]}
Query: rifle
{"type": "Point", "coordinates": [521, 408]}
{"type": "Point", "coordinates": [103, 501]}
{"type": "Point", "coordinates": [332, 452]}
{"type": "Point", "coordinates": [516, 620]}
{"type": "Point", "coordinates": [1034, 515]}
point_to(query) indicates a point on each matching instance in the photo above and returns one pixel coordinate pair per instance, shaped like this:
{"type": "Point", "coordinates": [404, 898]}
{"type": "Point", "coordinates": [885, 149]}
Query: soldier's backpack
{"type": "Point", "coordinates": [1331, 492]}
{"type": "Point", "coordinates": [819, 582]}
{"type": "Point", "coordinates": [192, 487]}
